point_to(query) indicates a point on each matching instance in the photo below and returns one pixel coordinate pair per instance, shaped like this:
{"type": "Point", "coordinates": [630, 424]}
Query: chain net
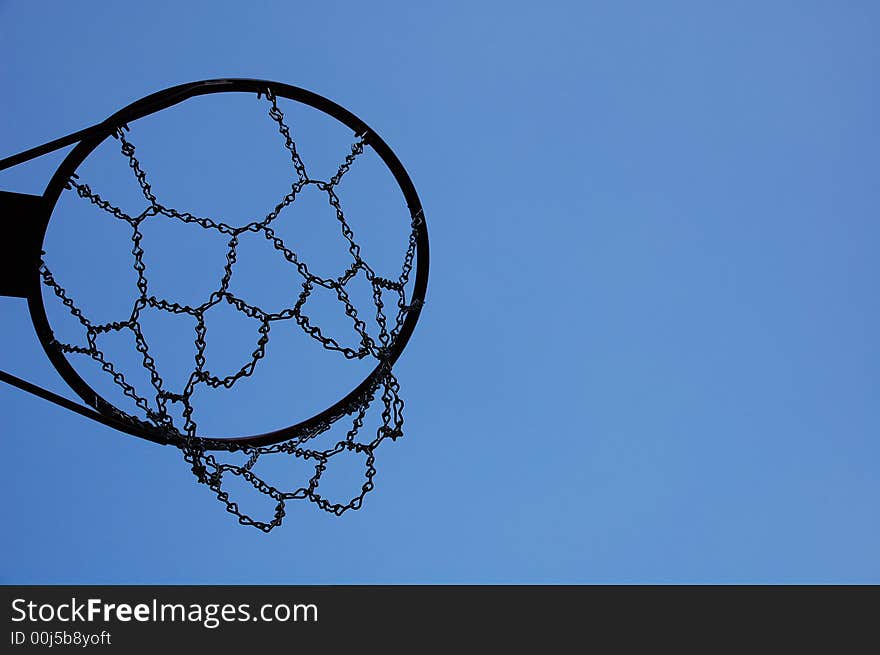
{"type": "Point", "coordinates": [207, 467]}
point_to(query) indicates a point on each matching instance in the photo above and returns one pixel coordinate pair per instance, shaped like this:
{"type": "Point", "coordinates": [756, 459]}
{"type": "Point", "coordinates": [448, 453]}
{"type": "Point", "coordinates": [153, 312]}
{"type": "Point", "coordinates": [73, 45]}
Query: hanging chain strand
{"type": "Point", "coordinates": [155, 405]}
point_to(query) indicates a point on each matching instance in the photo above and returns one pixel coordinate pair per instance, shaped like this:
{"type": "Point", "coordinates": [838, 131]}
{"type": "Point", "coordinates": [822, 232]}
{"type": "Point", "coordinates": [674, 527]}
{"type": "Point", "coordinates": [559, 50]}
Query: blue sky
{"type": "Point", "coordinates": [649, 352]}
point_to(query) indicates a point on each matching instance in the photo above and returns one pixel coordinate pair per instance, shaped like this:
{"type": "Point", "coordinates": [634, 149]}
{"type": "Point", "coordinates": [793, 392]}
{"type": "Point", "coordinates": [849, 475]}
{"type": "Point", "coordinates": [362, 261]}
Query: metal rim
{"type": "Point", "coordinates": [168, 98]}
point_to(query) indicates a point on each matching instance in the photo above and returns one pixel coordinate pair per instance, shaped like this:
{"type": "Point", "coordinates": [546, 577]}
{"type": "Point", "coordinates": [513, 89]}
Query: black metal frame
{"type": "Point", "coordinates": [30, 215]}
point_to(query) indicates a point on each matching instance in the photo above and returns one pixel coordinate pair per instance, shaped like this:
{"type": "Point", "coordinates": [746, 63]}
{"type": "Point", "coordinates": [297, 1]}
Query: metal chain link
{"type": "Point", "coordinates": [206, 467]}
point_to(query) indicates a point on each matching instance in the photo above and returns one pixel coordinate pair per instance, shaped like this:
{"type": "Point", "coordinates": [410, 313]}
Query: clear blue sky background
{"type": "Point", "coordinates": [650, 351]}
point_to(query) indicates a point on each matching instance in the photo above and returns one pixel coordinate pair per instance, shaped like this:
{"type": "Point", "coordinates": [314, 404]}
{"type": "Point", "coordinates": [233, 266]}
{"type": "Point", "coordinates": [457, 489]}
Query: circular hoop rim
{"type": "Point", "coordinates": [168, 98]}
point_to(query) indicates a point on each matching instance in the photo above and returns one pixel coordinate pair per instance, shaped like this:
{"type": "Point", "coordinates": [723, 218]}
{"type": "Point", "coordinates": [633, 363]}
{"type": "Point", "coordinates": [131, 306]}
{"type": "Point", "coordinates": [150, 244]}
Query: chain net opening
{"type": "Point", "coordinates": [156, 403]}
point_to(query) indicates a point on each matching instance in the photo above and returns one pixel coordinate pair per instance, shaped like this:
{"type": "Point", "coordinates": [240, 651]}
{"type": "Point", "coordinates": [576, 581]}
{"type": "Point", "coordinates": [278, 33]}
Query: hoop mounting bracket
{"type": "Point", "coordinates": [20, 237]}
